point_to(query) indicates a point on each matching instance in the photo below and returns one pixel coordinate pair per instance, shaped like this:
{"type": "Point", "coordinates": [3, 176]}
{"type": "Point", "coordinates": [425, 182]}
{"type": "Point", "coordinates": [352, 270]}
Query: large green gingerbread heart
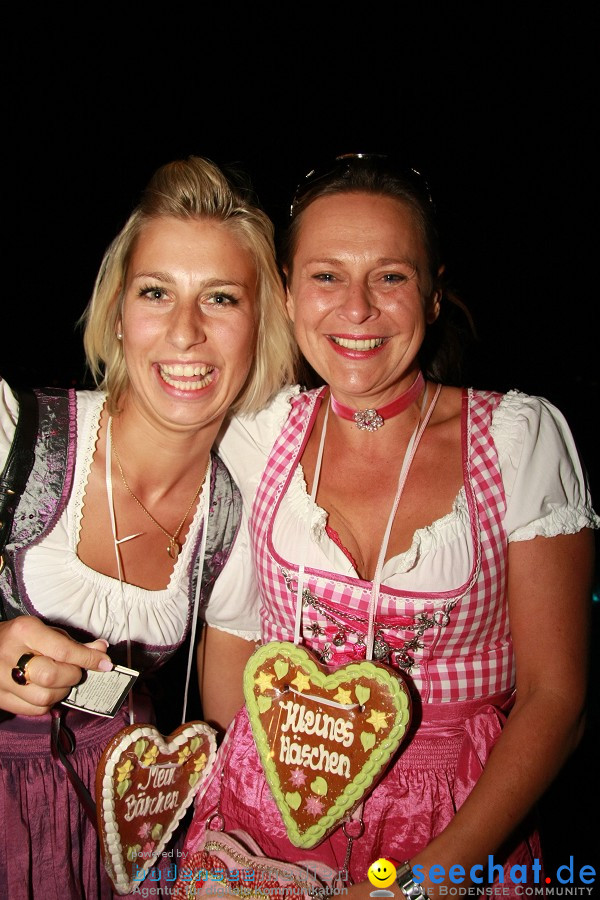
{"type": "Point", "coordinates": [324, 738]}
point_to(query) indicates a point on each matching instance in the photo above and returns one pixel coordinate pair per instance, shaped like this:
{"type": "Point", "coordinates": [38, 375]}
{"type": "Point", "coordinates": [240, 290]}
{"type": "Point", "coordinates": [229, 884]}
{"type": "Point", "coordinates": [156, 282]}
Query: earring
{"type": "Point", "coordinates": [119, 335]}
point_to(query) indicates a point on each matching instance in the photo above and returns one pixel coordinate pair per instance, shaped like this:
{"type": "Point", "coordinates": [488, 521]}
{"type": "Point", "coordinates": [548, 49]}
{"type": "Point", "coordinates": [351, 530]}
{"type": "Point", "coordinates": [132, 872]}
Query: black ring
{"type": "Point", "coordinates": [19, 672]}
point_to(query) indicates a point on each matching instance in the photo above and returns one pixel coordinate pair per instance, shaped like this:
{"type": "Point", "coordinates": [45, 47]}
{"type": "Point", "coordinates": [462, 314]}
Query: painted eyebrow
{"type": "Point", "coordinates": [323, 261]}
{"type": "Point", "coordinates": [158, 276]}
{"type": "Point", "coordinates": [224, 283]}
{"type": "Point", "coordinates": [395, 260]}
{"type": "Point", "coordinates": [383, 261]}
{"type": "Point", "coordinates": [209, 283]}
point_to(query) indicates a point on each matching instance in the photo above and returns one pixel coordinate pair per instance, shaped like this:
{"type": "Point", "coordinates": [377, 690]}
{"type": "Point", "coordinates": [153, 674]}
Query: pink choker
{"type": "Point", "coordinates": [372, 419]}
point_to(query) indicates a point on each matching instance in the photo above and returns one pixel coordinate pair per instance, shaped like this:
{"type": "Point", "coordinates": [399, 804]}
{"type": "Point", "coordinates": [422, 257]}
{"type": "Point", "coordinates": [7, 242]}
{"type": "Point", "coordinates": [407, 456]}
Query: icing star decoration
{"type": "Point", "coordinates": [301, 681]}
{"type": "Point", "coordinates": [343, 696]}
{"type": "Point", "coordinates": [298, 777]}
{"type": "Point", "coordinates": [377, 719]}
{"type": "Point", "coordinates": [313, 805]}
{"type": "Point", "coordinates": [264, 681]}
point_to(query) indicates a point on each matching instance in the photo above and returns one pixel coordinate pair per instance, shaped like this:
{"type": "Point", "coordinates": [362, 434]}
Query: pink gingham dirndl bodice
{"type": "Point", "coordinates": [464, 647]}
{"type": "Point", "coordinates": [461, 679]}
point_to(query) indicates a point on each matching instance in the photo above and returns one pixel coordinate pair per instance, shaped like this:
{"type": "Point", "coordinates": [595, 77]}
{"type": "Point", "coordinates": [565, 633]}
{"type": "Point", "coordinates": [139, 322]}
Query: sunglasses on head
{"type": "Point", "coordinates": [347, 163]}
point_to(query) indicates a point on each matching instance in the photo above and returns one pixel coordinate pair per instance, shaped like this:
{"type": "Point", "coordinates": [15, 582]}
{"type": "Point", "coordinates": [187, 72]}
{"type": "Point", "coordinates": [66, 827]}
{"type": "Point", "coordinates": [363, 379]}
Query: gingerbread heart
{"type": "Point", "coordinates": [144, 784]}
{"type": "Point", "coordinates": [324, 738]}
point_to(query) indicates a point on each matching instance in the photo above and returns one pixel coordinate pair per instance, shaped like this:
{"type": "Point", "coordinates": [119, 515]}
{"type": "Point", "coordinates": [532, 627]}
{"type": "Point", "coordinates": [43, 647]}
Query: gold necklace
{"type": "Point", "coordinates": [174, 547]}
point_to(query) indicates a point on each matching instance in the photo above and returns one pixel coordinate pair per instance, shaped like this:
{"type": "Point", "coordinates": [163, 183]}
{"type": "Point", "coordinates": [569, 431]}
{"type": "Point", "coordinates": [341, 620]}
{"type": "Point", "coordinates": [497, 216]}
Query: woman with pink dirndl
{"type": "Point", "coordinates": [443, 531]}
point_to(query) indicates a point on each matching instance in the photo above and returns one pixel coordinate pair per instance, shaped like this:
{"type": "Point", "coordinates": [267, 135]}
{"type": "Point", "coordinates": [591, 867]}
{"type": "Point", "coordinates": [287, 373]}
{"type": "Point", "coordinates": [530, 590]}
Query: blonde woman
{"type": "Point", "coordinates": [186, 321]}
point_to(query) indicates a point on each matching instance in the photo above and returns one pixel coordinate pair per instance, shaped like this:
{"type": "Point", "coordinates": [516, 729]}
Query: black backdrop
{"type": "Point", "coordinates": [497, 106]}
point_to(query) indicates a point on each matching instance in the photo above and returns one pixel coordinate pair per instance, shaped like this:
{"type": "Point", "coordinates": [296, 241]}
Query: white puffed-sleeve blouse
{"type": "Point", "coordinates": [545, 484]}
{"type": "Point", "coordinates": [546, 491]}
{"type": "Point", "coordinates": [63, 589]}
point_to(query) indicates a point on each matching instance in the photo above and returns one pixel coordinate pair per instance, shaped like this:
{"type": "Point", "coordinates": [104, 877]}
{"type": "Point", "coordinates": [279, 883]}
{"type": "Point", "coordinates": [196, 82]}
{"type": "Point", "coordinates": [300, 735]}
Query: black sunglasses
{"type": "Point", "coordinates": [347, 163]}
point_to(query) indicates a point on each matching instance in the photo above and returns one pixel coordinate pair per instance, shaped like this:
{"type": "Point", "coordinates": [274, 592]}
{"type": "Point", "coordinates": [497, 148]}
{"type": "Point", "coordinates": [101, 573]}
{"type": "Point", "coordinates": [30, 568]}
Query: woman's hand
{"type": "Point", "coordinates": [56, 665]}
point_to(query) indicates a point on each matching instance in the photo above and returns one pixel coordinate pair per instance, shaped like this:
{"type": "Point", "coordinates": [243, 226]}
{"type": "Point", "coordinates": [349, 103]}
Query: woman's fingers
{"type": "Point", "coordinates": [51, 664]}
{"type": "Point", "coordinates": [47, 673]}
{"type": "Point", "coordinates": [27, 634]}
{"type": "Point", "coordinates": [33, 700]}
{"type": "Point", "coordinates": [99, 644]}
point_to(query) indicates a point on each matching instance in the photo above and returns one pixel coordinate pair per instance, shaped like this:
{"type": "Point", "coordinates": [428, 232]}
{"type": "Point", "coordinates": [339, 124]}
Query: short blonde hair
{"type": "Point", "coordinates": [195, 188]}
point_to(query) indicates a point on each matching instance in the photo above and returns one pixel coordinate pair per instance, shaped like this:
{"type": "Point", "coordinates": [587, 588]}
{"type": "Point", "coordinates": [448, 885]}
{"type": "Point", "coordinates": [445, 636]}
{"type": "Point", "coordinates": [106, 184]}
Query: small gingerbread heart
{"type": "Point", "coordinates": [144, 784]}
{"type": "Point", "coordinates": [323, 738]}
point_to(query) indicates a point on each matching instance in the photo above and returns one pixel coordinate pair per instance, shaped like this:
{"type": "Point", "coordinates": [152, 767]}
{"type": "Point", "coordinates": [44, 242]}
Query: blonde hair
{"type": "Point", "coordinates": [194, 188]}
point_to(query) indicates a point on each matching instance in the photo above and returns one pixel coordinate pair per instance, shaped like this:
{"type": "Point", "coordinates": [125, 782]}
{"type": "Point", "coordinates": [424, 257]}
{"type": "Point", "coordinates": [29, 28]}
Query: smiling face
{"type": "Point", "coordinates": [188, 322]}
{"type": "Point", "coordinates": [358, 295]}
{"type": "Point", "coordinates": [381, 873]}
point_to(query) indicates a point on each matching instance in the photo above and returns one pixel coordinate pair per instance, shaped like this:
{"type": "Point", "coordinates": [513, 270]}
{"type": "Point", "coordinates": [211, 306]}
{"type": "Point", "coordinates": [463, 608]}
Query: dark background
{"type": "Point", "coordinates": [497, 105]}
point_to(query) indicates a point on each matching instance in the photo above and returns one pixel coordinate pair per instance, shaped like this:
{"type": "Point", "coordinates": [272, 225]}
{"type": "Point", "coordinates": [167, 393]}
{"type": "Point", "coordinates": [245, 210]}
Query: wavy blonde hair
{"type": "Point", "coordinates": [195, 188]}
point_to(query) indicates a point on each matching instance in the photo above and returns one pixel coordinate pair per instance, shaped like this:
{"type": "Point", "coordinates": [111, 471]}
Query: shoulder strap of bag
{"type": "Point", "coordinates": [18, 464]}
{"type": "Point", "coordinates": [14, 477]}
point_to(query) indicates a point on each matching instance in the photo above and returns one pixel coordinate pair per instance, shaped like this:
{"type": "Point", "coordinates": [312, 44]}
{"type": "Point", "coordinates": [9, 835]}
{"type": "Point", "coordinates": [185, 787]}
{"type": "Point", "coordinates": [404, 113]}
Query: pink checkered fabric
{"type": "Point", "coordinates": [454, 644]}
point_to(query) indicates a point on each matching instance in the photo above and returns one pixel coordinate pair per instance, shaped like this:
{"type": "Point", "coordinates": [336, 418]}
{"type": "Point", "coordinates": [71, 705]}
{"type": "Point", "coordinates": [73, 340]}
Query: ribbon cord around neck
{"type": "Point", "coordinates": [205, 507]}
{"type": "Point", "coordinates": [376, 584]}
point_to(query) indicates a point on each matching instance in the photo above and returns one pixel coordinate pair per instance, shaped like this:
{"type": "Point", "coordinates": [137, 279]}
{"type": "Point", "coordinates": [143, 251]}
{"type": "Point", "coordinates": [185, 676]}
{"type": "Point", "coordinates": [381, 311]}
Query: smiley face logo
{"type": "Point", "coordinates": [381, 873]}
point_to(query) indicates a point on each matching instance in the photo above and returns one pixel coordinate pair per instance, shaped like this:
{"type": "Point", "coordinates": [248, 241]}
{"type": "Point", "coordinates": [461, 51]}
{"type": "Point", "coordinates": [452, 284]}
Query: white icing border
{"type": "Point", "coordinates": [111, 838]}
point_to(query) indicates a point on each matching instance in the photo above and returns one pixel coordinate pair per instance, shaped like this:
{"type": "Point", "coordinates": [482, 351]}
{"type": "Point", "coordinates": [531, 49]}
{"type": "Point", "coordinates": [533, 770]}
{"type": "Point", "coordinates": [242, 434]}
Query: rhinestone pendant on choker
{"type": "Point", "coordinates": [372, 419]}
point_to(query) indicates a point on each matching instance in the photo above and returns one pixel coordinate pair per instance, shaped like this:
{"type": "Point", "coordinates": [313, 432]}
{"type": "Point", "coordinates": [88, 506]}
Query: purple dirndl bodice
{"type": "Point", "coordinates": [49, 848]}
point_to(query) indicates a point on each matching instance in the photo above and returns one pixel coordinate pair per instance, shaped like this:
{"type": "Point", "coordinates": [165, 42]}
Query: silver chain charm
{"type": "Point", "coordinates": [382, 650]}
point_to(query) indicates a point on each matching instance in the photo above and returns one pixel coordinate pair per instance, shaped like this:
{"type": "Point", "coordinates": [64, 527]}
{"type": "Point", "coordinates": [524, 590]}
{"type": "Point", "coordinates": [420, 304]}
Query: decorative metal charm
{"type": "Point", "coordinates": [307, 597]}
{"type": "Point", "coordinates": [380, 649]}
{"type": "Point", "coordinates": [173, 549]}
{"type": "Point", "coordinates": [404, 660]}
{"type": "Point", "coordinates": [348, 630]}
{"type": "Point", "coordinates": [414, 644]}
{"type": "Point", "coordinates": [326, 653]}
{"type": "Point", "coordinates": [368, 420]}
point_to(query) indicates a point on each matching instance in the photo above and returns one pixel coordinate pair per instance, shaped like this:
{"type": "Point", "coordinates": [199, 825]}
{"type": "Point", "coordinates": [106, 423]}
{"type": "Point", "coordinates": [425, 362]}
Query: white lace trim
{"type": "Point", "coordinates": [441, 533]}
{"type": "Point", "coordinates": [561, 521]}
{"type": "Point", "coordinates": [92, 600]}
{"type": "Point", "coordinates": [89, 409]}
